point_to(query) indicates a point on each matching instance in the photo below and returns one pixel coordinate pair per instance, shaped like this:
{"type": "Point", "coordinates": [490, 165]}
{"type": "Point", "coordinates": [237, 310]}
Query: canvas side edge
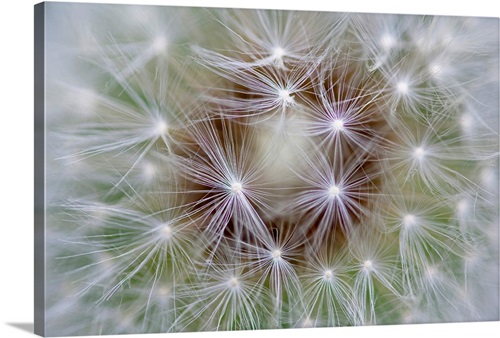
{"type": "Point", "coordinates": [39, 169]}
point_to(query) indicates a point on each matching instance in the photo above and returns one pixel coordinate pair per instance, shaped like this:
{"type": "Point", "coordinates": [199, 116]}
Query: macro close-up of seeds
{"type": "Point", "coordinates": [237, 169]}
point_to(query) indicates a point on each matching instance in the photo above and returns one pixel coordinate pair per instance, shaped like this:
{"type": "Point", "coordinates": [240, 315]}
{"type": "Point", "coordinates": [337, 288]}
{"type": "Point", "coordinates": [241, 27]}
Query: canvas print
{"type": "Point", "coordinates": [211, 169]}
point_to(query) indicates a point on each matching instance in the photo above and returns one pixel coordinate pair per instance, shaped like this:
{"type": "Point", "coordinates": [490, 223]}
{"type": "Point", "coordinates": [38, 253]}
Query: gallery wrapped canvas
{"type": "Point", "coordinates": [204, 169]}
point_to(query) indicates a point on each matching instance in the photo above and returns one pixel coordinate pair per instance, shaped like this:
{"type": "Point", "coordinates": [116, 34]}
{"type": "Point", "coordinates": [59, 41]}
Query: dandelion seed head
{"type": "Point", "coordinates": [399, 125]}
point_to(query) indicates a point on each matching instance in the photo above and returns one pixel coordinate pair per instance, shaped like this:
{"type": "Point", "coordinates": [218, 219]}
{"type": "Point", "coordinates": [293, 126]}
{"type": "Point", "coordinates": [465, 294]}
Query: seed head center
{"type": "Point", "coordinates": [276, 254]}
{"type": "Point", "coordinates": [402, 87]}
{"type": "Point", "coordinates": [236, 187]}
{"type": "Point", "coordinates": [419, 153]}
{"type": "Point", "coordinates": [285, 96]}
{"type": "Point", "coordinates": [234, 283]}
{"type": "Point", "coordinates": [409, 220]}
{"type": "Point", "coordinates": [278, 53]}
{"type": "Point", "coordinates": [161, 127]}
{"type": "Point", "coordinates": [338, 125]}
{"type": "Point", "coordinates": [166, 231]}
{"type": "Point", "coordinates": [334, 191]}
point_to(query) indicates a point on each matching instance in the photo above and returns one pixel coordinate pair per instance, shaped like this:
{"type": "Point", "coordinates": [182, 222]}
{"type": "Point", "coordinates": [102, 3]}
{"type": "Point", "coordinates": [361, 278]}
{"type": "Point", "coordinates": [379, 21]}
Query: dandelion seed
{"type": "Point", "coordinates": [347, 111]}
{"type": "Point", "coordinates": [275, 257]}
{"type": "Point", "coordinates": [254, 92]}
{"type": "Point", "coordinates": [429, 159]}
{"type": "Point", "coordinates": [225, 295]}
{"type": "Point", "coordinates": [332, 193]}
{"type": "Point", "coordinates": [423, 238]}
{"type": "Point", "coordinates": [328, 296]}
{"type": "Point", "coordinates": [374, 265]}
{"type": "Point", "coordinates": [229, 180]}
{"type": "Point", "coordinates": [279, 39]}
{"type": "Point", "coordinates": [380, 39]}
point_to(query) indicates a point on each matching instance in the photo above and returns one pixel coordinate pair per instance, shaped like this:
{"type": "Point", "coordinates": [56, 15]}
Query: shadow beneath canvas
{"type": "Point", "coordinates": [28, 327]}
